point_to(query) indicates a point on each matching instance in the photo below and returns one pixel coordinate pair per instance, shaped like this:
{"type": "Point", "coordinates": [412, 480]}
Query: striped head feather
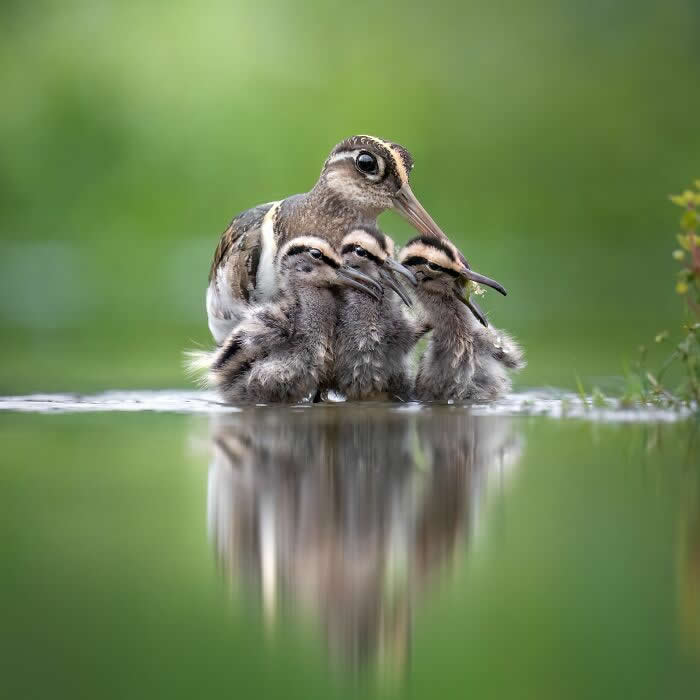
{"type": "Point", "coordinates": [440, 255]}
{"type": "Point", "coordinates": [367, 172]}
{"type": "Point", "coordinates": [311, 246]}
{"type": "Point", "coordinates": [393, 160]}
{"type": "Point", "coordinates": [372, 241]}
{"type": "Point", "coordinates": [368, 250]}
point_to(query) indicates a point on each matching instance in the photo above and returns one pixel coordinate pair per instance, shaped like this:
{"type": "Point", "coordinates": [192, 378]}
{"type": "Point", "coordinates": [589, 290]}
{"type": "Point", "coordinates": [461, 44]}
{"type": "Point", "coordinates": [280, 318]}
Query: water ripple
{"type": "Point", "coordinates": [550, 403]}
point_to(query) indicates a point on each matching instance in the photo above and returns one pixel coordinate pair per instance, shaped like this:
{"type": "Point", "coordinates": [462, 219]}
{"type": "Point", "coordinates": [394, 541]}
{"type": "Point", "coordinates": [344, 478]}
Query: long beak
{"type": "Point", "coordinates": [358, 280]}
{"type": "Point", "coordinates": [469, 274]}
{"type": "Point", "coordinates": [398, 267]}
{"type": "Point", "coordinates": [406, 203]}
{"type": "Point", "coordinates": [474, 308]}
{"type": "Point", "coordinates": [389, 281]}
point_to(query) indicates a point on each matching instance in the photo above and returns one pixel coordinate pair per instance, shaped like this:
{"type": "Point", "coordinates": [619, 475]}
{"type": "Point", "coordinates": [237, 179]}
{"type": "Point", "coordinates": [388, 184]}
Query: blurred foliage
{"type": "Point", "coordinates": [133, 132]}
{"type": "Point", "coordinates": [645, 385]}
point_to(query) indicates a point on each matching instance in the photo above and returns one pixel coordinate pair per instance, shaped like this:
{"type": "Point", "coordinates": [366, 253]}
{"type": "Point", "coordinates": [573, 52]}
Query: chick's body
{"type": "Point", "coordinates": [282, 351]}
{"type": "Point", "coordinates": [288, 345]}
{"type": "Point", "coordinates": [464, 361]}
{"type": "Point", "coordinates": [372, 347]}
{"type": "Point", "coordinates": [373, 335]}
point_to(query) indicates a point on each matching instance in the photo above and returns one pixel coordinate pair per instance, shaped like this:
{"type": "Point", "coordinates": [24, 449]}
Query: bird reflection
{"type": "Point", "coordinates": [346, 513]}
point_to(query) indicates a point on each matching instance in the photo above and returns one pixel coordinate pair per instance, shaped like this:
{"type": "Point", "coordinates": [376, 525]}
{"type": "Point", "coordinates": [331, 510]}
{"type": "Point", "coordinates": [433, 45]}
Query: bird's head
{"type": "Point", "coordinates": [372, 174]}
{"type": "Point", "coordinates": [309, 261]}
{"type": "Point", "coordinates": [439, 270]}
{"type": "Point", "coordinates": [370, 251]}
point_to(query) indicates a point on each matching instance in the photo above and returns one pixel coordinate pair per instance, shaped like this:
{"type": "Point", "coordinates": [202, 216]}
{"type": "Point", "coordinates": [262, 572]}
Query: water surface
{"type": "Point", "coordinates": [345, 550]}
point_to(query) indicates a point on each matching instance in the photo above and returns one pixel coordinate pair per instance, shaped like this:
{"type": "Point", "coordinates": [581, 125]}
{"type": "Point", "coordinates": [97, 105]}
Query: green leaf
{"type": "Point", "coordinates": [689, 220]}
{"type": "Point", "coordinates": [652, 380]}
{"type": "Point", "coordinates": [598, 398]}
{"type": "Point", "coordinates": [683, 240]}
{"type": "Point", "coordinates": [475, 288]}
{"type": "Point", "coordinates": [684, 346]}
{"type": "Point", "coordinates": [688, 197]}
{"type": "Point", "coordinates": [581, 390]}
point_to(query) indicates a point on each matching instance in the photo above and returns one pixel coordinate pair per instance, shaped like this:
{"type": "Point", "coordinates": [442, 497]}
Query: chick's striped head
{"type": "Point", "coordinates": [370, 251]}
{"type": "Point", "coordinates": [312, 261]}
{"type": "Point", "coordinates": [435, 262]}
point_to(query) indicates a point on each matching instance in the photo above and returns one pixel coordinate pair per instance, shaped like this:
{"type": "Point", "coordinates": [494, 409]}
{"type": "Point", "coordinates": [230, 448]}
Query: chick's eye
{"type": "Point", "coordinates": [316, 253]}
{"type": "Point", "coordinates": [360, 251]}
{"type": "Point", "coordinates": [433, 266]}
{"type": "Point", "coordinates": [367, 163]}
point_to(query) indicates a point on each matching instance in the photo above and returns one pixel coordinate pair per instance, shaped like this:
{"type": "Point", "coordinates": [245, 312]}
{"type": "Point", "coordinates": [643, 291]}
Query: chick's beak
{"type": "Point", "coordinates": [350, 277]}
{"type": "Point", "coordinates": [469, 274]}
{"type": "Point", "coordinates": [472, 306]}
{"type": "Point", "coordinates": [391, 283]}
{"type": "Point", "coordinates": [401, 270]}
{"type": "Point", "coordinates": [407, 204]}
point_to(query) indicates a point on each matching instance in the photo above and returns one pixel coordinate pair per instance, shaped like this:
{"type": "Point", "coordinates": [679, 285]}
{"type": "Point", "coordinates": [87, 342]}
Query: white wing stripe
{"type": "Point", "coordinates": [266, 283]}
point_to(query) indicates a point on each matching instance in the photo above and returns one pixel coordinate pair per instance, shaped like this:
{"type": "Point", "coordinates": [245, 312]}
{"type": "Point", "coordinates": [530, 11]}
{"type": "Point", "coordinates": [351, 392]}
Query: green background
{"type": "Point", "coordinates": [547, 136]}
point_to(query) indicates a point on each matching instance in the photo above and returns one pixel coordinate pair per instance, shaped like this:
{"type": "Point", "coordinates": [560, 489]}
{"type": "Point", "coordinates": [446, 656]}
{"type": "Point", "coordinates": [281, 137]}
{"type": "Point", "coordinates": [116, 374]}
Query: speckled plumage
{"type": "Point", "coordinates": [373, 344]}
{"type": "Point", "coordinates": [463, 361]}
{"type": "Point", "coordinates": [282, 351]}
{"type": "Point", "coordinates": [374, 337]}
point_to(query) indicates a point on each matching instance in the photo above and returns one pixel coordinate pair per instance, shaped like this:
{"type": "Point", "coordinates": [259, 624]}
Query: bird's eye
{"type": "Point", "coordinates": [359, 250]}
{"type": "Point", "coordinates": [366, 163]}
{"type": "Point", "coordinates": [433, 266]}
{"type": "Point", "coordinates": [316, 253]}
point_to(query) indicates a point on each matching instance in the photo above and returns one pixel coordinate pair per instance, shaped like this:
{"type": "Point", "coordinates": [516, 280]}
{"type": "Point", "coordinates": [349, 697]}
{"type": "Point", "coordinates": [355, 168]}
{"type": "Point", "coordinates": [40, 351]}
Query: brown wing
{"type": "Point", "coordinates": [243, 233]}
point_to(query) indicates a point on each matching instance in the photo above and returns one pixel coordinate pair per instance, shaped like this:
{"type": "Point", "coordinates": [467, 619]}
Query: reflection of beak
{"type": "Point", "coordinates": [412, 210]}
{"type": "Point", "coordinates": [398, 267]}
{"type": "Point", "coordinates": [389, 281]}
{"type": "Point", "coordinates": [358, 280]}
{"type": "Point", "coordinates": [469, 274]}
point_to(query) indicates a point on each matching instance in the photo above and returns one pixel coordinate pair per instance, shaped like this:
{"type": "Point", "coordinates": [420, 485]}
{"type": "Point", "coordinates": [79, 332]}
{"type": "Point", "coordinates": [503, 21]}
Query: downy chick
{"type": "Point", "coordinates": [373, 336]}
{"type": "Point", "coordinates": [283, 350]}
{"type": "Point", "coordinates": [464, 361]}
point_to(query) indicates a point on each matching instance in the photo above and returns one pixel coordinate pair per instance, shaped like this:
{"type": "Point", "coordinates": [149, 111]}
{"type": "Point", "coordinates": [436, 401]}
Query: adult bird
{"type": "Point", "coordinates": [362, 177]}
